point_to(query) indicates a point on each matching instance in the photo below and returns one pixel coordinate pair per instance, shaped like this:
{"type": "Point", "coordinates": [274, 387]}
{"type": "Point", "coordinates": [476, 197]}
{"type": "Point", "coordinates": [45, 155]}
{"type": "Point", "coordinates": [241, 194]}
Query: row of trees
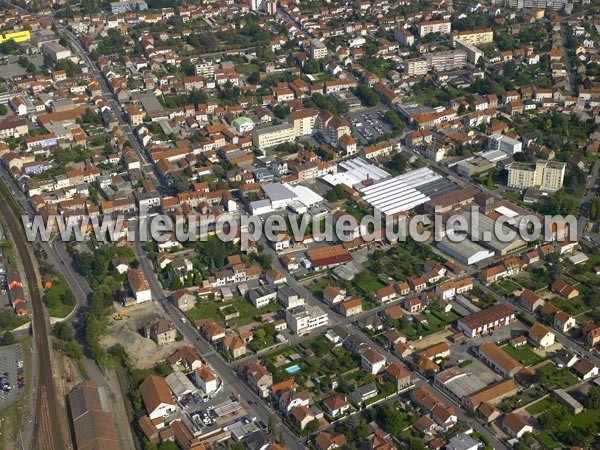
{"type": "Point", "coordinates": [96, 267]}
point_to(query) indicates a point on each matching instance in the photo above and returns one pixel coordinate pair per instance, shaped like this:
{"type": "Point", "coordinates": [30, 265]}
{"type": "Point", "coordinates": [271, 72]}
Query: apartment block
{"type": "Point", "coordinates": [304, 121]}
{"type": "Point", "coordinates": [318, 50]}
{"type": "Point", "coordinates": [505, 144]}
{"type": "Point", "coordinates": [544, 175]}
{"type": "Point", "coordinates": [434, 26]}
{"type": "Point", "coordinates": [473, 37]}
{"type": "Point", "coordinates": [450, 60]}
{"type": "Point", "coordinates": [440, 61]}
{"type": "Point", "coordinates": [404, 37]}
{"type": "Point", "coordinates": [263, 138]}
{"type": "Point", "coordinates": [305, 317]}
{"type": "Point", "coordinates": [205, 68]}
{"type": "Point", "coordinates": [416, 66]}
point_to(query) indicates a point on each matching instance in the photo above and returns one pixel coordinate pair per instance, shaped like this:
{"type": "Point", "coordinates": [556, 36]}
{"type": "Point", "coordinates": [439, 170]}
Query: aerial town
{"type": "Point", "coordinates": [467, 121]}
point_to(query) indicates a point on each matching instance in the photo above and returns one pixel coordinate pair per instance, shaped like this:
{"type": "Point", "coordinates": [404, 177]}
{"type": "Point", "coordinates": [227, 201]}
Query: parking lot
{"type": "Point", "coordinates": [465, 350]}
{"type": "Point", "coordinates": [368, 124]}
{"type": "Point", "coordinates": [210, 415]}
{"type": "Point", "coordinates": [12, 374]}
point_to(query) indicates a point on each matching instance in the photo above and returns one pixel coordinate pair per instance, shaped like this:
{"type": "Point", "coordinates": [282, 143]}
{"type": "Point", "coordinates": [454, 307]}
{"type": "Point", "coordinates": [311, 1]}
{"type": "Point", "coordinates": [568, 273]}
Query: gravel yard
{"type": "Point", "coordinates": [143, 352]}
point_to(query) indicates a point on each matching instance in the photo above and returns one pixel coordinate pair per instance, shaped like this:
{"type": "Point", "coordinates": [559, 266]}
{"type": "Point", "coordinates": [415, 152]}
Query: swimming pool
{"type": "Point", "coordinates": [293, 369]}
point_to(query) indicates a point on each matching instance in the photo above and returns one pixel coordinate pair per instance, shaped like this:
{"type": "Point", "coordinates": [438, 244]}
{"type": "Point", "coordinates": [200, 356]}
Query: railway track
{"type": "Point", "coordinates": [47, 430]}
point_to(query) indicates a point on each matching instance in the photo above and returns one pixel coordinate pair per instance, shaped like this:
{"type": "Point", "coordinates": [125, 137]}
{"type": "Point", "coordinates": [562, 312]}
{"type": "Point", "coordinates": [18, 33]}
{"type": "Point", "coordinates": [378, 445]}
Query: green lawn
{"type": "Point", "coordinates": [509, 286]}
{"type": "Point", "coordinates": [371, 285]}
{"type": "Point", "coordinates": [553, 378]}
{"type": "Point", "coordinates": [9, 321]}
{"type": "Point", "coordinates": [258, 344]}
{"type": "Point", "coordinates": [583, 420]}
{"type": "Point", "coordinates": [247, 69]}
{"type": "Point", "coordinates": [522, 398]}
{"type": "Point", "coordinates": [524, 354]}
{"type": "Point", "coordinates": [545, 439]}
{"type": "Point", "coordinates": [541, 406]}
{"type": "Point", "coordinates": [436, 321]}
{"type": "Point", "coordinates": [210, 310]}
{"type": "Point", "coordinates": [60, 311]}
{"type": "Point", "coordinates": [325, 361]}
{"type": "Point", "coordinates": [574, 307]}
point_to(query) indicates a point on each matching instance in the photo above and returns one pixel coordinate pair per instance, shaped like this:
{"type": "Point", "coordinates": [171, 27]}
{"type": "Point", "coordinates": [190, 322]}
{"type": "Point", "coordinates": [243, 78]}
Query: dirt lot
{"type": "Point", "coordinates": [435, 338]}
{"type": "Point", "coordinates": [143, 352]}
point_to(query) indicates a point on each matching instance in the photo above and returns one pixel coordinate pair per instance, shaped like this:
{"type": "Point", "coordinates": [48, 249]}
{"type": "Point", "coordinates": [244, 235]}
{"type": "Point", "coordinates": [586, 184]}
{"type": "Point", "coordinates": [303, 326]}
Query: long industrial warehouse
{"type": "Point", "coordinates": [405, 192]}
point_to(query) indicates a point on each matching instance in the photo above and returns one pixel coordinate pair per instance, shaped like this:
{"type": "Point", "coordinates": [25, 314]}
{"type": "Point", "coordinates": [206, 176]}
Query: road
{"type": "Point", "coordinates": [283, 12]}
{"type": "Point", "coordinates": [568, 64]}
{"type": "Point", "coordinates": [588, 198]}
{"type": "Point", "coordinates": [47, 431]}
{"type": "Point", "coordinates": [147, 166]}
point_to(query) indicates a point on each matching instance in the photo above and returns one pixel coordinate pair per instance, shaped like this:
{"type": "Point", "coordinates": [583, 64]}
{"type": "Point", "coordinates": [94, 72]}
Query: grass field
{"type": "Point", "coordinates": [574, 307]}
{"type": "Point", "coordinates": [557, 378]}
{"type": "Point", "coordinates": [584, 420]}
{"type": "Point", "coordinates": [509, 286]}
{"type": "Point", "coordinates": [370, 285]}
{"type": "Point", "coordinates": [524, 354]}
{"type": "Point", "coordinates": [247, 69]}
{"type": "Point", "coordinates": [541, 406]}
{"type": "Point", "coordinates": [545, 439]}
{"type": "Point", "coordinates": [60, 310]}
{"type": "Point", "coordinates": [210, 310]}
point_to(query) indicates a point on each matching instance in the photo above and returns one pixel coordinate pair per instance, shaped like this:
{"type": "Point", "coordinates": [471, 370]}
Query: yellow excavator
{"type": "Point", "coordinates": [121, 315]}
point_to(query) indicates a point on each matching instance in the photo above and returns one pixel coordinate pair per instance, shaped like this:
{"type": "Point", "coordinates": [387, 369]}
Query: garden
{"type": "Point", "coordinates": [210, 309]}
{"type": "Point", "coordinates": [542, 405]}
{"type": "Point", "coordinates": [316, 359]}
{"type": "Point", "coordinates": [524, 354]}
{"type": "Point", "coordinates": [437, 320]}
{"type": "Point", "coordinates": [551, 377]}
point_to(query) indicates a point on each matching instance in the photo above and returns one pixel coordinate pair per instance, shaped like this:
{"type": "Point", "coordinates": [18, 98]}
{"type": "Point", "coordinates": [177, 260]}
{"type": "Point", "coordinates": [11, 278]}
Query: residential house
{"type": "Point", "coordinates": [417, 283]}
{"type": "Point", "coordinates": [235, 346]}
{"type": "Point", "coordinates": [351, 307]}
{"type": "Point", "coordinates": [529, 300]}
{"type": "Point", "coordinates": [333, 295]}
{"type": "Point", "coordinates": [211, 330]}
{"type": "Point", "coordinates": [302, 416]}
{"type": "Point", "coordinates": [398, 375]}
{"type": "Point", "coordinates": [564, 289]}
{"type": "Point", "coordinates": [365, 392]}
{"type": "Point", "coordinates": [336, 406]}
{"type": "Point", "coordinates": [185, 359]}
{"type": "Point", "coordinates": [585, 369]}
{"type": "Point", "coordinates": [540, 336]}
{"type": "Point", "coordinates": [444, 416]}
{"type": "Point", "coordinates": [183, 299]}
{"type": "Point", "coordinates": [139, 286]}
{"type": "Point", "coordinates": [290, 399]}
{"type": "Point", "coordinates": [372, 361]}
{"type": "Point", "coordinates": [259, 378]}
{"type": "Point", "coordinates": [563, 321]}
{"type": "Point", "coordinates": [414, 305]}
{"type": "Point", "coordinates": [386, 294]}
{"type": "Point", "coordinates": [516, 425]}
{"type": "Point", "coordinates": [592, 337]}
{"type": "Point", "coordinates": [157, 398]}
{"type": "Point", "coordinates": [162, 331]}
{"type": "Point", "coordinates": [329, 441]}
